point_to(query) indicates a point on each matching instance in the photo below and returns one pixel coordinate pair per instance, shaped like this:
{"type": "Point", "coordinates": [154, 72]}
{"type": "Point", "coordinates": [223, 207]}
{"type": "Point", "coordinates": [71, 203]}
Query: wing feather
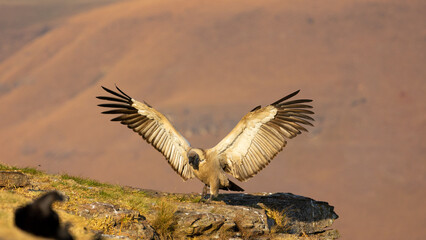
{"type": "Point", "coordinates": [297, 111]}
{"type": "Point", "coordinates": [250, 166]}
{"type": "Point", "coordinates": [162, 140]}
{"type": "Point", "coordinates": [167, 149]}
{"type": "Point", "coordinates": [125, 117]}
{"type": "Point", "coordinates": [261, 134]}
{"type": "Point", "coordinates": [261, 152]}
{"type": "Point", "coordinates": [153, 126]}
{"type": "Point", "coordinates": [158, 137]}
{"type": "Point", "coordinates": [265, 145]}
{"type": "Point", "coordinates": [255, 152]}
{"type": "Point", "coordinates": [133, 123]}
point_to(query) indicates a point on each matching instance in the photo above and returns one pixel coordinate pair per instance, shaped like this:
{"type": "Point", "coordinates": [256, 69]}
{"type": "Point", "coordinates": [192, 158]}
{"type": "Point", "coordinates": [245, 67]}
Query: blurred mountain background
{"type": "Point", "coordinates": [205, 64]}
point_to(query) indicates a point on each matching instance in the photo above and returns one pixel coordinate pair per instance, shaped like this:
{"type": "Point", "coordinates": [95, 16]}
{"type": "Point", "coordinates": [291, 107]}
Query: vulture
{"type": "Point", "coordinates": [257, 138]}
{"type": "Point", "coordinates": [40, 219]}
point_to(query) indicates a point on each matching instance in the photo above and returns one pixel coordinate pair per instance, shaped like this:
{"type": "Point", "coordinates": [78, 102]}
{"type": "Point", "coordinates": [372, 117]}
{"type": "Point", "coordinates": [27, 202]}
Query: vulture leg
{"type": "Point", "coordinates": [214, 190]}
{"type": "Point", "coordinates": [205, 189]}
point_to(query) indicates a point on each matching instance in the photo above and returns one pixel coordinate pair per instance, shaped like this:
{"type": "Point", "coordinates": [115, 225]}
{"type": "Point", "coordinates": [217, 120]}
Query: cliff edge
{"type": "Point", "coordinates": [117, 212]}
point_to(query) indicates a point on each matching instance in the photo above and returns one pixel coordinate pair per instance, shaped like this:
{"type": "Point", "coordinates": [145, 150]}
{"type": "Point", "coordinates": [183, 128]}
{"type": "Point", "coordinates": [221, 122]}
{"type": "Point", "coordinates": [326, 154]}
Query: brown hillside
{"type": "Point", "coordinates": [25, 20]}
{"type": "Point", "coordinates": [205, 64]}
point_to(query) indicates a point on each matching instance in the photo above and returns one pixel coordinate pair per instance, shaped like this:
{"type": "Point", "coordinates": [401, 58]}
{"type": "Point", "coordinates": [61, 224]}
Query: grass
{"type": "Point", "coordinates": [83, 191]}
{"type": "Point", "coordinates": [281, 219]}
{"type": "Point", "coordinates": [186, 198]}
{"type": "Point", "coordinates": [27, 170]}
{"type": "Point", "coordinates": [164, 221]}
{"type": "Point", "coordinates": [158, 210]}
{"type": "Point", "coordinates": [84, 181]}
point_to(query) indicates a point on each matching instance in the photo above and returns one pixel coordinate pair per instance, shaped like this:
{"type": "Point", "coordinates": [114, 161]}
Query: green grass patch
{"type": "Point", "coordinates": [84, 181]}
{"type": "Point", "coordinates": [27, 170]}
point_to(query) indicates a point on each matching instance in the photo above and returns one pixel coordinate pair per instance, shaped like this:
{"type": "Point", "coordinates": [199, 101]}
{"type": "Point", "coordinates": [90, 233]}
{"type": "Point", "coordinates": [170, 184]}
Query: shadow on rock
{"type": "Point", "coordinates": [304, 215]}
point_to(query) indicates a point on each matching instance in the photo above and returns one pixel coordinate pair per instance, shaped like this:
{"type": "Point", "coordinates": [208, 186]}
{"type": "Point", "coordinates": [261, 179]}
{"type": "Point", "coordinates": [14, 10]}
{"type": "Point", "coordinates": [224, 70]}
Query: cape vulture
{"type": "Point", "coordinates": [257, 138]}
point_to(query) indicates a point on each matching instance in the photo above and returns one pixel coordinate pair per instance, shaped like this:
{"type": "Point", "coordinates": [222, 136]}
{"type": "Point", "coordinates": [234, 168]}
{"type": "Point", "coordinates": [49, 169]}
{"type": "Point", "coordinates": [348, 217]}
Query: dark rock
{"type": "Point", "coordinates": [246, 216]}
{"type": "Point", "coordinates": [305, 215]}
{"type": "Point", "coordinates": [13, 179]}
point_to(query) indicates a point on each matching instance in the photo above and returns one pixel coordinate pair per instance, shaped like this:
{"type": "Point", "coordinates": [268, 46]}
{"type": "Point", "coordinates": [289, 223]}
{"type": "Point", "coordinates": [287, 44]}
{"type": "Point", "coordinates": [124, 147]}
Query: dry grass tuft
{"type": "Point", "coordinates": [164, 221]}
{"type": "Point", "coordinates": [281, 219]}
{"type": "Point", "coordinates": [104, 224]}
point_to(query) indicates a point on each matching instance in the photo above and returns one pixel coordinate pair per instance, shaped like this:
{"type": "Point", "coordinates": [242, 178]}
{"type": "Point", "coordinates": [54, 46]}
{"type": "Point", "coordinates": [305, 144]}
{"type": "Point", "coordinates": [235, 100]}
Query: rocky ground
{"type": "Point", "coordinates": [257, 216]}
{"type": "Point", "coordinates": [177, 216]}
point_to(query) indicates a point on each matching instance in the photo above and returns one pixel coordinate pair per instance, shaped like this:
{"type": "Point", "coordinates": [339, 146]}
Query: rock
{"type": "Point", "coordinates": [246, 216]}
{"type": "Point", "coordinates": [305, 215]}
{"type": "Point", "coordinates": [126, 222]}
{"type": "Point", "coordinates": [13, 179]}
{"type": "Point", "coordinates": [325, 235]}
{"type": "Point", "coordinates": [196, 224]}
{"type": "Point", "coordinates": [235, 216]}
{"type": "Point", "coordinates": [328, 234]}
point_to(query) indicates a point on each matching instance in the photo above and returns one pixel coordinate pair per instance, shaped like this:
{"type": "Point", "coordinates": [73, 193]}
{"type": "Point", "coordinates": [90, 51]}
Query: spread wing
{"type": "Point", "coordinates": [153, 126]}
{"type": "Point", "coordinates": [261, 135]}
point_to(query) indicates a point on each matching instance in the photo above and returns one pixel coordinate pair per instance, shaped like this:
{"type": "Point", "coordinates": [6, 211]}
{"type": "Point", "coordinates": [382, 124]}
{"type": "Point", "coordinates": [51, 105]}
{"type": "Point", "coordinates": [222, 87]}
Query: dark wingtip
{"type": "Point", "coordinates": [256, 108]}
{"type": "Point", "coordinates": [286, 97]}
{"type": "Point", "coordinates": [147, 104]}
{"type": "Point", "coordinates": [122, 91]}
{"type": "Point", "coordinates": [122, 95]}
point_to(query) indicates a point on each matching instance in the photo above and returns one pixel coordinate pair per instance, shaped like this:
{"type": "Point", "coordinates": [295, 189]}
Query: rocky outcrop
{"type": "Point", "coordinates": [257, 216]}
{"type": "Point", "coordinates": [13, 179]}
{"type": "Point", "coordinates": [218, 220]}
{"type": "Point", "coordinates": [118, 220]}
{"type": "Point", "coordinates": [304, 215]}
{"type": "Point", "coordinates": [238, 216]}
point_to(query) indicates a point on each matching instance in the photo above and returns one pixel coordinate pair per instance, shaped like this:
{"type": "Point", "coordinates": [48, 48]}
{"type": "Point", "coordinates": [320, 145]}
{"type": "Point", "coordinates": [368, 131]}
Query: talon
{"type": "Point", "coordinates": [205, 190]}
{"type": "Point", "coordinates": [214, 198]}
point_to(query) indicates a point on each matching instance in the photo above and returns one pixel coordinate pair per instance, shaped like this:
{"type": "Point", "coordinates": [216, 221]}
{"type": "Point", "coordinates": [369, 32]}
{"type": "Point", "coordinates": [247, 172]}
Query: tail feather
{"type": "Point", "coordinates": [232, 187]}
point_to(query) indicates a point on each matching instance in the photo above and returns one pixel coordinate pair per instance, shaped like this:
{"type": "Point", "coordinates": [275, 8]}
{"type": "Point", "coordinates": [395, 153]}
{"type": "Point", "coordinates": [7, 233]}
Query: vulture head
{"type": "Point", "coordinates": [195, 157]}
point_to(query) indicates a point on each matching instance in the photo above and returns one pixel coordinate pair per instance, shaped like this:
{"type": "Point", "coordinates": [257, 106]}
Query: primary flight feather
{"type": "Point", "coordinates": [257, 138]}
